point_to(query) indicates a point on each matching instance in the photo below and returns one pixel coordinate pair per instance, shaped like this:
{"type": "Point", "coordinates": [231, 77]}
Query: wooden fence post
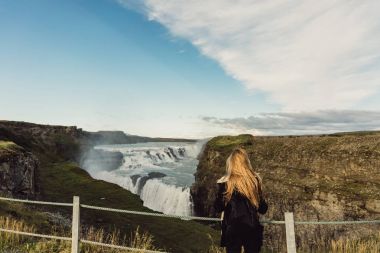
{"type": "Point", "coordinates": [75, 232]}
{"type": "Point", "coordinates": [290, 235]}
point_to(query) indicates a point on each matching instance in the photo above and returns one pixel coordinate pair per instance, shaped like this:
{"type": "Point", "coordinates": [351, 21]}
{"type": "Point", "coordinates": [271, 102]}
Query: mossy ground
{"type": "Point", "coordinates": [6, 144]}
{"type": "Point", "coordinates": [9, 147]}
{"type": "Point", "coordinates": [230, 141]}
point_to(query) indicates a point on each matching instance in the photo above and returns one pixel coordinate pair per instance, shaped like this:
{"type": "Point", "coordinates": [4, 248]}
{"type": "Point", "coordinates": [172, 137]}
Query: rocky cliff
{"type": "Point", "coordinates": [17, 170]}
{"type": "Point", "coordinates": [326, 177]}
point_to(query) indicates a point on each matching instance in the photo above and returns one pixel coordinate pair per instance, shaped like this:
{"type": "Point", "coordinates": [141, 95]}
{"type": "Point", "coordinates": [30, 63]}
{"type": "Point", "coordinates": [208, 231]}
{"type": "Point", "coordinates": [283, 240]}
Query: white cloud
{"type": "Point", "coordinates": [306, 55]}
{"type": "Point", "coordinates": [324, 121]}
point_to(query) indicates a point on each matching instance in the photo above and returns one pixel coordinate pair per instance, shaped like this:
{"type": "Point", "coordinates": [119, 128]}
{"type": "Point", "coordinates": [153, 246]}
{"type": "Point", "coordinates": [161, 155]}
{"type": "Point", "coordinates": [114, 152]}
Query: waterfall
{"type": "Point", "coordinates": [161, 173]}
{"type": "Point", "coordinates": [165, 198]}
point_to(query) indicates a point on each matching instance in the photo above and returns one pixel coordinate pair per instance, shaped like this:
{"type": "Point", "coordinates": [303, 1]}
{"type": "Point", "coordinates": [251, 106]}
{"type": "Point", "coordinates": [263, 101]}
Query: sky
{"type": "Point", "coordinates": [192, 69]}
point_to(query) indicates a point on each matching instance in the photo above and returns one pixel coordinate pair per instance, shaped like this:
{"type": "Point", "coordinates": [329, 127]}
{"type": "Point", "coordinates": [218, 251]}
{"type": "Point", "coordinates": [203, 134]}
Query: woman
{"type": "Point", "coordinates": [240, 199]}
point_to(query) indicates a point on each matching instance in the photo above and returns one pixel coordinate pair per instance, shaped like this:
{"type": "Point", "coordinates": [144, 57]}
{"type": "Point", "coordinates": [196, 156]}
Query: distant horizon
{"type": "Point", "coordinates": [209, 137]}
{"type": "Point", "coordinates": [192, 69]}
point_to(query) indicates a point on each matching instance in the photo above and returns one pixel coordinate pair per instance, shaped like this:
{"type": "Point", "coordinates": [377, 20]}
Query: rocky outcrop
{"type": "Point", "coordinates": [17, 170]}
{"type": "Point", "coordinates": [53, 142]}
{"type": "Point", "coordinates": [329, 177]}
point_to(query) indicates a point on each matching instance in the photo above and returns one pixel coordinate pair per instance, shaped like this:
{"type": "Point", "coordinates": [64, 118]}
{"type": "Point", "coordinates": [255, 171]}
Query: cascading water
{"type": "Point", "coordinates": [161, 173]}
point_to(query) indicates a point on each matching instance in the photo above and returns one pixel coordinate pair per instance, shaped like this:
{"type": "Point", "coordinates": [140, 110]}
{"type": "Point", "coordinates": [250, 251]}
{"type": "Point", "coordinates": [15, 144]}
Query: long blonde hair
{"type": "Point", "coordinates": [241, 177]}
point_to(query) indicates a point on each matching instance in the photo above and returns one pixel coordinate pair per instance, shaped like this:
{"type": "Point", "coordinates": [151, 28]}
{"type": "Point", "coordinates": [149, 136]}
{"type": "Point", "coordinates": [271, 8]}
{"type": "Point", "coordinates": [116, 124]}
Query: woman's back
{"type": "Point", "coordinates": [240, 198]}
{"type": "Point", "coordinates": [239, 208]}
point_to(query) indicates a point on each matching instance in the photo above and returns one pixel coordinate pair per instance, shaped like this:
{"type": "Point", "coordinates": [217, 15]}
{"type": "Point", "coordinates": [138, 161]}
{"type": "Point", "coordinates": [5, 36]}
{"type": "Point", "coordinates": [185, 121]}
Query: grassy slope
{"type": "Point", "coordinates": [62, 180]}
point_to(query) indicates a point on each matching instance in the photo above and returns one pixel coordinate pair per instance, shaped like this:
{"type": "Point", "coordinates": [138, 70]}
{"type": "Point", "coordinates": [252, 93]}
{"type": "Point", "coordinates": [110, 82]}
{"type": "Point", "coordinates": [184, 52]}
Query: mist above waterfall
{"type": "Point", "coordinates": [161, 173]}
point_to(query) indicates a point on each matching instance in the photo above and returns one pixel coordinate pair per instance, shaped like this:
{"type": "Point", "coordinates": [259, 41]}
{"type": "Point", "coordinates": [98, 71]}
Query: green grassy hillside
{"type": "Point", "coordinates": [61, 181]}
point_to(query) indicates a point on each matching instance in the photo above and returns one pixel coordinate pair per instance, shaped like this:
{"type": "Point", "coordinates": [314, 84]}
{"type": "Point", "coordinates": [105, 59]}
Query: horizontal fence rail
{"type": "Point", "coordinates": [182, 217]}
{"type": "Point", "coordinates": [150, 213]}
{"type": "Point", "coordinates": [289, 224]}
{"type": "Point", "coordinates": [37, 202]}
{"type": "Point", "coordinates": [36, 235]}
{"type": "Point", "coordinates": [344, 222]}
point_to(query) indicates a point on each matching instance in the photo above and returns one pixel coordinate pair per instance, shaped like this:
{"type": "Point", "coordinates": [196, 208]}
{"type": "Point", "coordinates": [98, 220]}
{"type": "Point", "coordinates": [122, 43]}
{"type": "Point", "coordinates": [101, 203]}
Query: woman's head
{"type": "Point", "coordinates": [238, 163]}
{"type": "Point", "coordinates": [241, 177]}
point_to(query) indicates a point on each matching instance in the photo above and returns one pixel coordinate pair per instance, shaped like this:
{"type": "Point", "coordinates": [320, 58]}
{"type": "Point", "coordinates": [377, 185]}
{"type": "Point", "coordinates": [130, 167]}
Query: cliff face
{"type": "Point", "coordinates": [17, 170]}
{"type": "Point", "coordinates": [331, 177]}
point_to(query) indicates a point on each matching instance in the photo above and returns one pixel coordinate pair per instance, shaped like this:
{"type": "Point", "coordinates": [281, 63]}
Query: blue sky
{"type": "Point", "coordinates": [172, 69]}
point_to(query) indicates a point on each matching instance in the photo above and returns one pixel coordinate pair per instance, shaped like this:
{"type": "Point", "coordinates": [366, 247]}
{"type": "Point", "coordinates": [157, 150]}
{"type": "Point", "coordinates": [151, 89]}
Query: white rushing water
{"type": "Point", "coordinates": [161, 173]}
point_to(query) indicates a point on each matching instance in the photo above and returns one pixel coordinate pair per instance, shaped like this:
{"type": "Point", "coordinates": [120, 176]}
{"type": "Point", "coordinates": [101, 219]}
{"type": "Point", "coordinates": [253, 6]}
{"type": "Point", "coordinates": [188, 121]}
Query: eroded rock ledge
{"type": "Point", "coordinates": [17, 170]}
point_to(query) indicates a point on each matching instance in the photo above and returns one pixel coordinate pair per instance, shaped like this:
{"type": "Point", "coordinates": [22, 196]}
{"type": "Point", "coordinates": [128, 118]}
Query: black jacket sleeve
{"type": "Point", "coordinates": [219, 201]}
{"type": "Point", "coordinates": [263, 206]}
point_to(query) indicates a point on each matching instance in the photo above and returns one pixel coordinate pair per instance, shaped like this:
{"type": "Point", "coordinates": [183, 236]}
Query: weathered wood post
{"type": "Point", "coordinates": [290, 235]}
{"type": "Point", "coordinates": [75, 232]}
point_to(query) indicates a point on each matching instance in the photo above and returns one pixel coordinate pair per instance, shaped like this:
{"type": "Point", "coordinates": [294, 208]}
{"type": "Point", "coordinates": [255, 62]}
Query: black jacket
{"type": "Point", "coordinates": [238, 212]}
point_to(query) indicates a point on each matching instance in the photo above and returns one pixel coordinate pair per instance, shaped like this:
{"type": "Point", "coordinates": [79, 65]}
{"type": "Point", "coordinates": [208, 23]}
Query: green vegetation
{"type": "Point", "coordinates": [230, 141]}
{"type": "Point", "coordinates": [8, 146]}
{"type": "Point", "coordinates": [31, 217]}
